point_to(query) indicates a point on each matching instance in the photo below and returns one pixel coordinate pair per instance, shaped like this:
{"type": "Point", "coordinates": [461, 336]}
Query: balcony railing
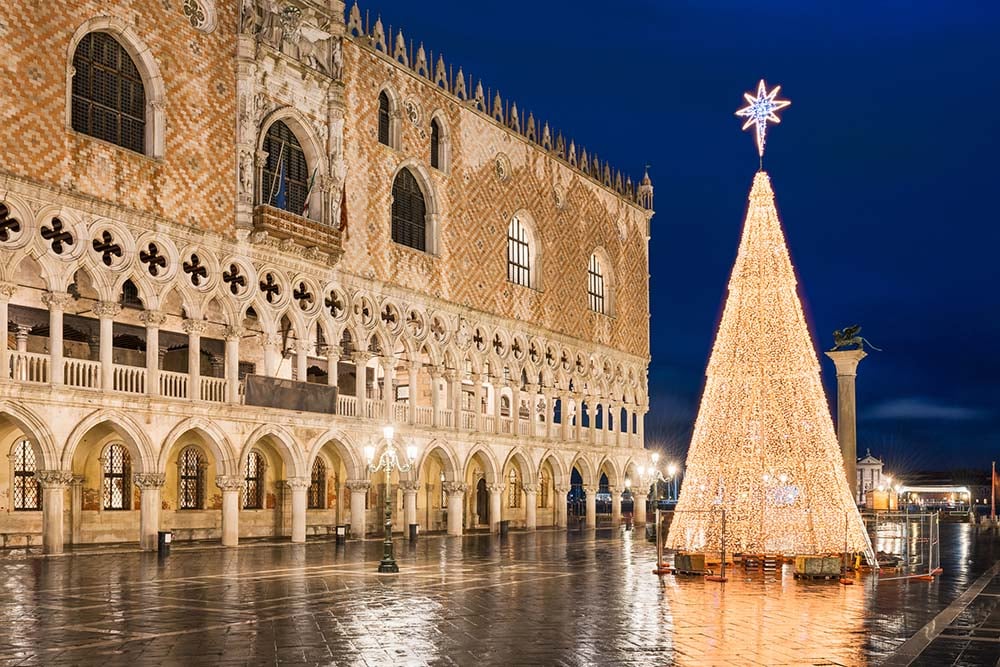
{"type": "Point", "coordinates": [425, 416]}
{"type": "Point", "coordinates": [173, 385]}
{"type": "Point", "coordinates": [29, 367]}
{"type": "Point", "coordinates": [129, 379]}
{"type": "Point", "coordinates": [82, 373]}
{"type": "Point", "coordinates": [213, 389]}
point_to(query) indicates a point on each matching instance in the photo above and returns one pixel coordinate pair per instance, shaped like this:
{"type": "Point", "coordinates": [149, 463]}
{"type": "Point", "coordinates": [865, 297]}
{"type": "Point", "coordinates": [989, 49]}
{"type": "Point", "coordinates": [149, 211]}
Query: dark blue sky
{"type": "Point", "coordinates": [884, 169]}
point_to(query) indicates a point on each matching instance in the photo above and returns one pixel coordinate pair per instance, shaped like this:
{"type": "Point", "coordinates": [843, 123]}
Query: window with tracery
{"type": "Point", "coordinates": [108, 99]}
{"type": "Point", "coordinates": [409, 211]}
{"type": "Point", "coordinates": [253, 484]}
{"type": "Point", "coordinates": [513, 490]}
{"type": "Point", "coordinates": [518, 254]}
{"type": "Point", "coordinates": [27, 491]}
{"type": "Point", "coordinates": [317, 485]}
{"type": "Point", "coordinates": [435, 144]}
{"type": "Point", "coordinates": [383, 118]}
{"type": "Point", "coordinates": [191, 495]}
{"type": "Point", "coordinates": [285, 177]}
{"type": "Point", "coordinates": [117, 484]}
{"type": "Point", "coordinates": [595, 285]}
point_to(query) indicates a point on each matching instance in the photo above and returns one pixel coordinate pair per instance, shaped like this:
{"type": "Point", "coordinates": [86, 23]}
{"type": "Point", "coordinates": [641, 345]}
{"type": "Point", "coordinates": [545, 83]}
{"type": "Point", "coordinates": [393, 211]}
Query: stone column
{"type": "Point", "coordinates": [231, 487]}
{"type": "Point", "coordinates": [194, 329]}
{"type": "Point", "coordinates": [6, 292]}
{"type": "Point", "coordinates": [550, 414]}
{"type": "Point", "coordinates": [641, 427]}
{"type": "Point", "coordinates": [454, 380]}
{"type": "Point", "coordinates": [388, 390]}
{"type": "Point", "coordinates": [616, 506]}
{"type": "Point", "coordinates": [410, 488]}
{"type": "Point", "coordinates": [496, 498]}
{"type": "Point", "coordinates": [56, 302]}
{"type": "Point", "coordinates": [150, 484]}
{"type": "Point", "coordinates": [153, 321]}
{"type": "Point", "coordinates": [436, 374]}
{"type": "Point", "coordinates": [76, 509]}
{"type": "Point", "coordinates": [560, 506]}
{"type": "Point", "coordinates": [532, 391]}
{"type": "Point", "coordinates": [233, 337]}
{"type": "Point", "coordinates": [530, 506]}
{"type": "Point", "coordinates": [456, 505]}
{"type": "Point", "coordinates": [360, 360]}
{"type": "Point", "coordinates": [54, 484]}
{"type": "Point", "coordinates": [299, 487]}
{"type": "Point", "coordinates": [515, 406]}
{"type": "Point", "coordinates": [272, 353]}
{"type": "Point", "coordinates": [566, 416]}
{"type": "Point", "coordinates": [359, 491]}
{"type": "Point", "coordinates": [478, 380]}
{"type": "Point", "coordinates": [590, 505]}
{"type": "Point", "coordinates": [639, 507]}
{"type": "Point", "coordinates": [498, 385]}
{"type": "Point", "coordinates": [302, 349]}
{"type": "Point", "coordinates": [413, 370]}
{"type": "Point", "coordinates": [332, 366]}
{"type": "Point", "coordinates": [846, 362]}
{"type": "Point", "coordinates": [107, 311]}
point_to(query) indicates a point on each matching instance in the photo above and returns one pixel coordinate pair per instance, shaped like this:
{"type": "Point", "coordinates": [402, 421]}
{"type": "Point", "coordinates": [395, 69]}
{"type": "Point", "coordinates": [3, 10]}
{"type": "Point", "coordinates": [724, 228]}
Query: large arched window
{"type": "Point", "coordinates": [253, 483]}
{"type": "Point", "coordinates": [191, 476]}
{"type": "Point", "coordinates": [108, 99]}
{"type": "Point", "coordinates": [435, 144]}
{"type": "Point", "coordinates": [285, 181]}
{"type": "Point", "coordinates": [518, 253]}
{"type": "Point", "coordinates": [513, 489]}
{"type": "Point", "coordinates": [595, 286]}
{"type": "Point", "coordinates": [117, 478]}
{"type": "Point", "coordinates": [317, 485]}
{"type": "Point", "coordinates": [27, 494]}
{"type": "Point", "coordinates": [409, 211]}
{"type": "Point", "coordinates": [384, 118]}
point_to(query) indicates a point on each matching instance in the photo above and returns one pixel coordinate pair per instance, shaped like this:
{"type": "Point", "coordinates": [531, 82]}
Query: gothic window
{"type": "Point", "coordinates": [317, 485]}
{"type": "Point", "coordinates": [27, 494]}
{"type": "Point", "coordinates": [117, 478]}
{"type": "Point", "coordinates": [543, 495]}
{"type": "Point", "coordinates": [513, 490]}
{"type": "Point", "coordinates": [518, 253]}
{"type": "Point", "coordinates": [108, 100]}
{"type": "Point", "coordinates": [191, 469]}
{"type": "Point", "coordinates": [409, 225]}
{"type": "Point", "coordinates": [130, 295]}
{"type": "Point", "coordinates": [435, 144]}
{"type": "Point", "coordinates": [595, 285]}
{"type": "Point", "coordinates": [383, 118]}
{"type": "Point", "coordinates": [253, 485]}
{"type": "Point", "coordinates": [285, 182]}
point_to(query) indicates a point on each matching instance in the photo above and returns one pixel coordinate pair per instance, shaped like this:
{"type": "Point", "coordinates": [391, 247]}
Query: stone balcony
{"type": "Point", "coordinates": [285, 230]}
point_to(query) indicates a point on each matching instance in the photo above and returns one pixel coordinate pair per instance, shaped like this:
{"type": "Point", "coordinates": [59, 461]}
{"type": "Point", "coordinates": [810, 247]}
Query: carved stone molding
{"type": "Point", "coordinates": [234, 333]}
{"type": "Point", "coordinates": [452, 488]}
{"type": "Point", "coordinates": [496, 488]}
{"type": "Point", "coordinates": [298, 483]}
{"type": "Point", "coordinates": [54, 479]}
{"type": "Point", "coordinates": [229, 482]}
{"type": "Point", "coordinates": [149, 480]}
{"type": "Point", "coordinates": [152, 318]}
{"type": "Point", "coordinates": [358, 485]}
{"type": "Point", "coordinates": [409, 486]}
{"type": "Point", "coordinates": [7, 290]}
{"type": "Point", "coordinates": [530, 488]}
{"type": "Point", "coordinates": [107, 309]}
{"type": "Point", "coordinates": [56, 300]}
{"type": "Point", "coordinates": [195, 326]}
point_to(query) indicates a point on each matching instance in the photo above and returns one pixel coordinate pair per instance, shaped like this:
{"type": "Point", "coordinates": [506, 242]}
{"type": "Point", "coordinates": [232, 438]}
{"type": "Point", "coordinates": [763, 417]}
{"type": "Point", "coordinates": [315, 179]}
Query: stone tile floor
{"type": "Point", "coordinates": [544, 598]}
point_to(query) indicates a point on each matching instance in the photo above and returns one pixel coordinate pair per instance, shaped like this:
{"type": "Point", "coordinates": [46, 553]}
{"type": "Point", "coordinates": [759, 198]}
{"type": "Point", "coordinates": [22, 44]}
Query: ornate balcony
{"type": "Point", "coordinates": [284, 230]}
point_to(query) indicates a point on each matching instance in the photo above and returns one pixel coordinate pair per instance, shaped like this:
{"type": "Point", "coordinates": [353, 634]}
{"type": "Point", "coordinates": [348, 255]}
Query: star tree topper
{"type": "Point", "coordinates": [761, 109]}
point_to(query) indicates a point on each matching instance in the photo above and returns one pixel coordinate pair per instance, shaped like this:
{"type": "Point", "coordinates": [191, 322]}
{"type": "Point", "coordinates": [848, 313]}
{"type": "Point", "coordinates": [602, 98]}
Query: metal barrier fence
{"type": "Point", "coordinates": [907, 545]}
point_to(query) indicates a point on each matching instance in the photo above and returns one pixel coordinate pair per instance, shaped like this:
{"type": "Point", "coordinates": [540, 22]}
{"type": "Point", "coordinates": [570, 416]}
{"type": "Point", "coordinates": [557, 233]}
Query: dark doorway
{"type": "Point", "coordinates": [576, 498]}
{"type": "Point", "coordinates": [482, 502]}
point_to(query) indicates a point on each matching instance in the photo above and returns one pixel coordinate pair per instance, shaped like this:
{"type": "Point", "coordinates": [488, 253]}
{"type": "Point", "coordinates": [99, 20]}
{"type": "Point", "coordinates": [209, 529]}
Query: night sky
{"type": "Point", "coordinates": [884, 169]}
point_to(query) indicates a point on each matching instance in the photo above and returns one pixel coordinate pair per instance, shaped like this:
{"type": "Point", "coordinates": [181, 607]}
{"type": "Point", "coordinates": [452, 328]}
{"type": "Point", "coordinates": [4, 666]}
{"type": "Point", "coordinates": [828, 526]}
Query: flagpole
{"type": "Point", "coordinates": [277, 173]}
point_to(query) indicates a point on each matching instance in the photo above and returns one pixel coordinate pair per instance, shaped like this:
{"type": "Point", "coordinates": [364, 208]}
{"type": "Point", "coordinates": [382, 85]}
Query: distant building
{"type": "Point", "coordinates": [869, 475]}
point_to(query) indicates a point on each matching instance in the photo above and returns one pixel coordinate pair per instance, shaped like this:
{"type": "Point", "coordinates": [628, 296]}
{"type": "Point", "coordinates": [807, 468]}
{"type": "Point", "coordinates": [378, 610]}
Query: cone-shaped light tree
{"type": "Point", "coordinates": [764, 447]}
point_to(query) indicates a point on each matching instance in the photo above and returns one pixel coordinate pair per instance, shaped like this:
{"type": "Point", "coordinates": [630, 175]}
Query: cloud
{"type": "Point", "coordinates": [919, 407]}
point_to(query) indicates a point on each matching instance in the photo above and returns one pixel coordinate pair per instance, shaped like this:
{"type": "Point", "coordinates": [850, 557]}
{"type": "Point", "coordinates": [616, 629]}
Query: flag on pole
{"type": "Point", "coordinates": [343, 213]}
{"type": "Point", "coordinates": [277, 181]}
{"type": "Point", "coordinates": [281, 199]}
{"type": "Point", "coordinates": [312, 182]}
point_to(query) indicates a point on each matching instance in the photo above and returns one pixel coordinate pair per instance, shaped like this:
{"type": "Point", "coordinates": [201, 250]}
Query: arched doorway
{"type": "Point", "coordinates": [482, 503]}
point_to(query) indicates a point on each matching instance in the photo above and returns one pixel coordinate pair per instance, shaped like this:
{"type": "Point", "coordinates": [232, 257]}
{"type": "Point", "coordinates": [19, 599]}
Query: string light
{"type": "Point", "coordinates": [760, 110]}
{"type": "Point", "coordinates": [764, 448]}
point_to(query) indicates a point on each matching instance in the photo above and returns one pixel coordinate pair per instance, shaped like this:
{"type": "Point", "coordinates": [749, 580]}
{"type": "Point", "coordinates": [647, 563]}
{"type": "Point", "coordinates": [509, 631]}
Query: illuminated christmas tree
{"type": "Point", "coordinates": [764, 448]}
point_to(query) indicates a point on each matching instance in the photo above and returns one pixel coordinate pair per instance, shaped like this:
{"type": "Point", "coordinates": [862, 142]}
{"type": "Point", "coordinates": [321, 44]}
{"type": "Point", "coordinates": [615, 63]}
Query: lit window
{"type": "Point", "coordinates": [117, 474]}
{"type": "Point", "coordinates": [409, 224]}
{"type": "Point", "coordinates": [27, 494]}
{"type": "Point", "coordinates": [595, 285]}
{"type": "Point", "coordinates": [285, 178]}
{"type": "Point", "coordinates": [191, 495]}
{"type": "Point", "coordinates": [317, 485]}
{"type": "Point", "coordinates": [518, 254]}
{"type": "Point", "coordinates": [109, 101]}
{"type": "Point", "coordinates": [253, 488]}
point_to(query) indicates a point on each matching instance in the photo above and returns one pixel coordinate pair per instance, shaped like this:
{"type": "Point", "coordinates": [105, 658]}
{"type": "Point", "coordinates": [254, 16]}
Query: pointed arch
{"type": "Point", "coordinates": [34, 428]}
{"type": "Point", "coordinates": [586, 468]}
{"type": "Point", "coordinates": [211, 434]}
{"type": "Point", "coordinates": [492, 469]}
{"type": "Point", "coordinates": [431, 215]}
{"type": "Point", "coordinates": [345, 448]}
{"type": "Point", "coordinates": [559, 472]}
{"type": "Point", "coordinates": [283, 443]}
{"type": "Point", "coordinates": [134, 436]}
{"type": "Point", "coordinates": [302, 133]}
{"type": "Point", "coordinates": [452, 470]}
{"type": "Point", "coordinates": [524, 464]}
{"type": "Point", "coordinates": [609, 467]}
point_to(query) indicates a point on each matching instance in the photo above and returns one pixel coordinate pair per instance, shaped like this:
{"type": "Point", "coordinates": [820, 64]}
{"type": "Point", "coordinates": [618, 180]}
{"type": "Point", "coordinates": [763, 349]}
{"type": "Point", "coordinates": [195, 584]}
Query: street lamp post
{"type": "Point", "coordinates": [388, 462]}
{"type": "Point", "coordinates": [672, 473]}
{"type": "Point", "coordinates": [650, 476]}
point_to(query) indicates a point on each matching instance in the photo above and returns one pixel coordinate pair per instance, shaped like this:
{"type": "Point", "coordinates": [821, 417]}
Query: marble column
{"type": "Point", "coordinates": [332, 366]}
{"type": "Point", "coordinates": [388, 389]}
{"type": "Point", "coordinates": [847, 362]}
{"type": "Point", "coordinates": [498, 385]}
{"type": "Point", "coordinates": [413, 369]}
{"type": "Point", "coordinates": [233, 337]}
{"type": "Point", "coordinates": [150, 484]}
{"type": "Point", "coordinates": [6, 292]}
{"type": "Point", "coordinates": [454, 379]}
{"type": "Point", "coordinates": [561, 510]}
{"type": "Point", "coordinates": [640, 431]}
{"type": "Point", "coordinates": [616, 506]}
{"type": "Point", "coordinates": [436, 374]}
{"type": "Point", "coordinates": [410, 488]}
{"type": "Point", "coordinates": [302, 350]}
{"type": "Point", "coordinates": [456, 505]}
{"type": "Point", "coordinates": [299, 486]}
{"type": "Point", "coordinates": [56, 302]}
{"type": "Point", "coordinates": [478, 380]}
{"type": "Point", "coordinates": [639, 507]}
{"type": "Point", "coordinates": [590, 503]}
{"type": "Point", "coordinates": [107, 311]}
{"type": "Point", "coordinates": [272, 353]}
{"type": "Point", "coordinates": [54, 484]}
{"type": "Point", "coordinates": [359, 491]}
{"type": "Point", "coordinates": [76, 509]}
{"type": "Point", "coordinates": [231, 486]}
{"type": "Point", "coordinates": [153, 321]}
{"type": "Point", "coordinates": [496, 500]}
{"type": "Point", "coordinates": [360, 360]}
{"type": "Point", "coordinates": [194, 329]}
{"type": "Point", "coordinates": [532, 397]}
{"type": "Point", "coordinates": [530, 506]}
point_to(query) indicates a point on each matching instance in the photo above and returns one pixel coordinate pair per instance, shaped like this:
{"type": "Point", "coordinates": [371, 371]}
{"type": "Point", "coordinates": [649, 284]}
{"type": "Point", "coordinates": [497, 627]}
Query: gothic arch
{"type": "Point", "coordinates": [312, 149]}
{"type": "Point", "coordinates": [492, 469]}
{"type": "Point", "coordinates": [134, 436]}
{"type": "Point", "coordinates": [529, 471]}
{"type": "Point", "coordinates": [581, 463]}
{"type": "Point", "coordinates": [283, 443]}
{"type": "Point", "coordinates": [452, 471]}
{"type": "Point", "coordinates": [560, 477]}
{"type": "Point", "coordinates": [214, 438]}
{"type": "Point", "coordinates": [35, 430]}
{"type": "Point", "coordinates": [432, 215]}
{"type": "Point", "coordinates": [345, 448]}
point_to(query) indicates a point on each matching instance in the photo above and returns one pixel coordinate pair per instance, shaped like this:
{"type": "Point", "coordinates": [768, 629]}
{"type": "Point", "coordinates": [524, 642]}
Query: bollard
{"type": "Point", "coordinates": [414, 528]}
{"type": "Point", "coordinates": [504, 528]}
{"type": "Point", "coordinates": [341, 534]}
{"type": "Point", "coordinates": [163, 538]}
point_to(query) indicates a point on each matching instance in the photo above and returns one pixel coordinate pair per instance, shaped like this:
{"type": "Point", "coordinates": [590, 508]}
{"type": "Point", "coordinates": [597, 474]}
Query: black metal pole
{"type": "Point", "coordinates": [388, 563]}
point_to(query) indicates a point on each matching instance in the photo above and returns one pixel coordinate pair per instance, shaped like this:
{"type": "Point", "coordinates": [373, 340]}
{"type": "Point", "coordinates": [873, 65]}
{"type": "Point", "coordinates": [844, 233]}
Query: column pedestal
{"type": "Point", "coordinates": [846, 362]}
{"type": "Point", "coordinates": [409, 488]}
{"type": "Point", "coordinates": [639, 511]}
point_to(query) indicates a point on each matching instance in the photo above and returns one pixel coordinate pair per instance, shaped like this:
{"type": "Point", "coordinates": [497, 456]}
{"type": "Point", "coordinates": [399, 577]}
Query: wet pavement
{"type": "Point", "coordinates": [550, 597]}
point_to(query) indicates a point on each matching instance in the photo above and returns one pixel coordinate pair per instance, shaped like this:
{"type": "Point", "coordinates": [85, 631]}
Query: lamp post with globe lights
{"type": "Point", "coordinates": [388, 462]}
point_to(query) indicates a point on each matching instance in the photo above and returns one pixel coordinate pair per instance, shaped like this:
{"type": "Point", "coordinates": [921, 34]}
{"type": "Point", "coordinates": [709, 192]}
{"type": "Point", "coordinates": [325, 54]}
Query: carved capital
{"type": "Point", "coordinates": [196, 327]}
{"type": "Point", "coordinates": [562, 490]}
{"type": "Point", "coordinates": [7, 290]}
{"type": "Point", "coordinates": [358, 485]}
{"type": "Point", "coordinates": [229, 482]}
{"type": "Point", "coordinates": [298, 483]}
{"type": "Point", "coordinates": [107, 309]}
{"type": "Point", "coordinates": [234, 333]}
{"type": "Point", "coordinates": [153, 319]}
{"type": "Point", "coordinates": [54, 479]}
{"type": "Point", "coordinates": [614, 491]}
{"type": "Point", "coordinates": [455, 488]}
{"type": "Point", "coordinates": [359, 358]}
{"type": "Point", "coordinates": [149, 480]}
{"type": "Point", "coordinates": [270, 340]}
{"type": "Point", "coordinates": [450, 375]}
{"type": "Point", "coordinates": [56, 300]}
{"type": "Point", "coordinates": [496, 488]}
{"type": "Point", "coordinates": [530, 488]}
{"type": "Point", "coordinates": [409, 486]}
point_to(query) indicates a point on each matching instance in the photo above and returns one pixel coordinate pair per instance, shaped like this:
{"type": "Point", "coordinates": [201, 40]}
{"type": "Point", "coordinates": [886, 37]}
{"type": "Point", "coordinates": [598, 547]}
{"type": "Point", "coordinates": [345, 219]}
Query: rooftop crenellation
{"type": "Point", "coordinates": [489, 103]}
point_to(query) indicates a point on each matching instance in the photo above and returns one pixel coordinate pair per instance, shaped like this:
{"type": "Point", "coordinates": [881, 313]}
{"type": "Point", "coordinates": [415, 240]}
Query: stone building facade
{"type": "Point", "coordinates": [238, 238]}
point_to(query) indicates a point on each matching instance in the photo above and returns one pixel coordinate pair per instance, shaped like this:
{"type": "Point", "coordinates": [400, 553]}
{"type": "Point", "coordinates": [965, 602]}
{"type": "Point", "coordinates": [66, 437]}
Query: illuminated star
{"type": "Point", "coordinates": [761, 109]}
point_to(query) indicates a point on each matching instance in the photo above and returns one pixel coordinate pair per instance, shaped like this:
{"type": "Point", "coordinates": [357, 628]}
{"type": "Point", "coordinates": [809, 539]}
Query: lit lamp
{"type": "Point", "coordinates": [650, 476]}
{"type": "Point", "coordinates": [388, 462]}
{"type": "Point", "coordinates": [672, 474]}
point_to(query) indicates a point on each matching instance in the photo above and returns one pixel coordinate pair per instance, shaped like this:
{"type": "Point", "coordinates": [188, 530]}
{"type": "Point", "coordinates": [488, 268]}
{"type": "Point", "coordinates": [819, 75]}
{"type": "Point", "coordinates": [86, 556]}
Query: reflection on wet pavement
{"type": "Point", "coordinates": [576, 598]}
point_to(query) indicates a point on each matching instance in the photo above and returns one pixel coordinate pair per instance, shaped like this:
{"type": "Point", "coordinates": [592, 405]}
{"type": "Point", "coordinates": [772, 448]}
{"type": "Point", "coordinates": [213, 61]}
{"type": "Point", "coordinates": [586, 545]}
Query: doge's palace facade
{"type": "Point", "coordinates": [237, 239]}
